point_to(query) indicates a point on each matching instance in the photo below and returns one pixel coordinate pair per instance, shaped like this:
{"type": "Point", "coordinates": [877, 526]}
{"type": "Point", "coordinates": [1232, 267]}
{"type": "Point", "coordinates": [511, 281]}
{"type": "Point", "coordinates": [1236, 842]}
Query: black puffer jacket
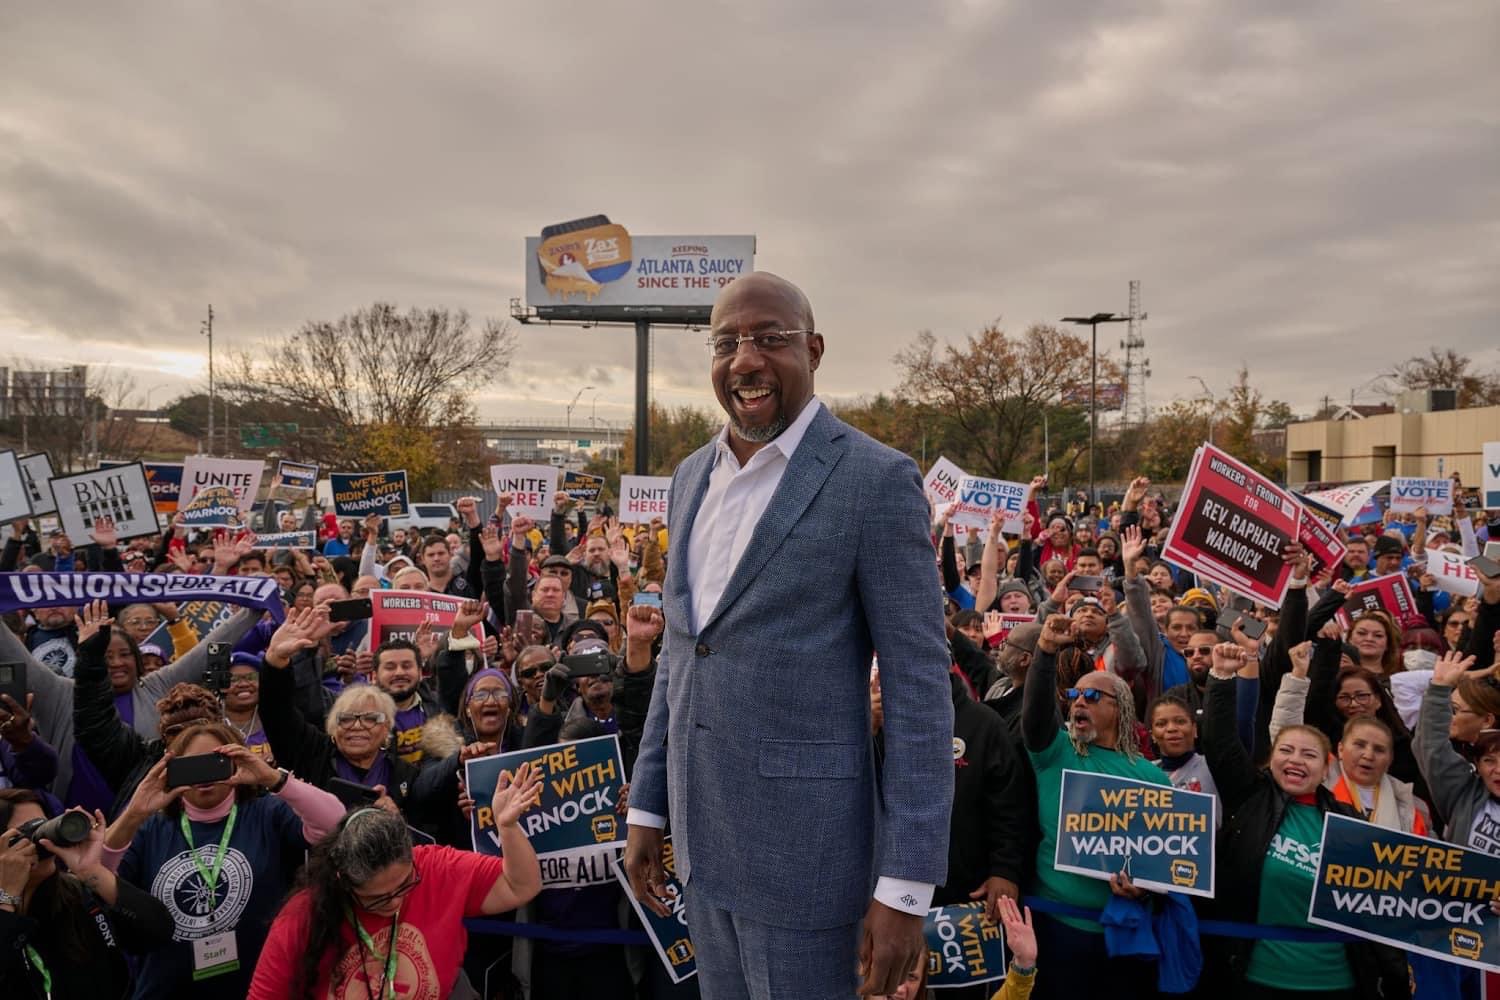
{"type": "Point", "coordinates": [1254, 806]}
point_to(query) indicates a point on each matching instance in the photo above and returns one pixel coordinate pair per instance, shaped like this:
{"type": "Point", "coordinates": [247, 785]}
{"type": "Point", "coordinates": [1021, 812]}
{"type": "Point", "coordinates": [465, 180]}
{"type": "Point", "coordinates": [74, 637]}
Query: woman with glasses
{"type": "Point", "coordinates": [530, 675]}
{"type": "Point", "coordinates": [220, 856]}
{"type": "Point", "coordinates": [380, 918]}
{"type": "Point", "coordinates": [1455, 631]}
{"type": "Point", "coordinates": [139, 620]}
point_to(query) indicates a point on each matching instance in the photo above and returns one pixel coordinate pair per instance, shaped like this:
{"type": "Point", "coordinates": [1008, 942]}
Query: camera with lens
{"type": "Point", "coordinates": [65, 830]}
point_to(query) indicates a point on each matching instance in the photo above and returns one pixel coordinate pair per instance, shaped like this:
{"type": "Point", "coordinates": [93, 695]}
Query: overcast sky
{"type": "Point", "coordinates": [1313, 189]}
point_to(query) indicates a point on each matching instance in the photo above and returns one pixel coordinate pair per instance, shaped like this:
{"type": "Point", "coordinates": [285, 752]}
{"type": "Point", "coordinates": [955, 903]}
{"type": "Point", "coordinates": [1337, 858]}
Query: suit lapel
{"type": "Point", "coordinates": [805, 474]}
{"type": "Point", "coordinates": [695, 484]}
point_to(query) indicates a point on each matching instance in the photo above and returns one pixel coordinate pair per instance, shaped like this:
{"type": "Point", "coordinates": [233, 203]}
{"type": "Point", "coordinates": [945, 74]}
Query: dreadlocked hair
{"type": "Point", "coordinates": [364, 842]}
{"type": "Point", "coordinates": [1126, 741]}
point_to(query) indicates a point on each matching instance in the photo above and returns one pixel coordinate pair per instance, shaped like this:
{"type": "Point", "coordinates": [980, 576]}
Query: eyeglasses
{"type": "Point", "coordinates": [725, 345]}
{"type": "Point", "coordinates": [252, 679]}
{"type": "Point", "coordinates": [1090, 695]}
{"type": "Point", "coordinates": [489, 694]}
{"type": "Point", "coordinates": [348, 720]}
{"type": "Point", "coordinates": [1354, 699]}
{"type": "Point", "coordinates": [1450, 623]}
{"type": "Point", "coordinates": [139, 622]}
{"type": "Point", "coordinates": [411, 881]}
{"type": "Point", "coordinates": [1198, 651]}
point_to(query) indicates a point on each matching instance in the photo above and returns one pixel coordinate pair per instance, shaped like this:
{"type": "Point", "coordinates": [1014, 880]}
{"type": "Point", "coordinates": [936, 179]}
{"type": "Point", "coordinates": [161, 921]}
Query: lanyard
{"type": "Point", "coordinates": [210, 875]}
{"type": "Point", "coordinates": [388, 979]}
{"type": "Point", "coordinates": [40, 966]}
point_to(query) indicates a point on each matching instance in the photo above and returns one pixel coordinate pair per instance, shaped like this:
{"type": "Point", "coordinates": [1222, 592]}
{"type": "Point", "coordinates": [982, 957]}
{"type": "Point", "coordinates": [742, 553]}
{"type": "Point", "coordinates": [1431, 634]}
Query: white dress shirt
{"type": "Point", "coordinates": [736, 499]}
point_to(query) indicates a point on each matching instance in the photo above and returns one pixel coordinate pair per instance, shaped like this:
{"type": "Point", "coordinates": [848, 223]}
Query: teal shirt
{"type": "Point", "coordinates": [1049, 764]}
{"type": "Point", "coordinates": [1286, 887]}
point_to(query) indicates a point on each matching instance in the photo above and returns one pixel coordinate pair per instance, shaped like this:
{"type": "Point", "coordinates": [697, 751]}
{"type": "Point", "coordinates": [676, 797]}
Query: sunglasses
{"type": "Point", "coordinates": [527, 673]}
{"type": "Point", "coordinates": [1198, 651]}
{"type": "Point", "coordinates": [1090, 695]}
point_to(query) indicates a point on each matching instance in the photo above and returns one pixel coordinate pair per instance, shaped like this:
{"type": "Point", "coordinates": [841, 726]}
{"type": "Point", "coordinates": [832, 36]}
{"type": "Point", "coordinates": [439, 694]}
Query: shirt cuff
{"type": "Point", "coordinates": [640, 817]}
{"type": "Point", "coordinates": [900, 894]}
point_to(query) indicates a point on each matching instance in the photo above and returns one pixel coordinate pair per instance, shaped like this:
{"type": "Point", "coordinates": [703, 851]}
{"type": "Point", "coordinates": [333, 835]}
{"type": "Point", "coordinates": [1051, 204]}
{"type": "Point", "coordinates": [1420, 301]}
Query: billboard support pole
{"type": "Point", "coordinates": [642, 386]}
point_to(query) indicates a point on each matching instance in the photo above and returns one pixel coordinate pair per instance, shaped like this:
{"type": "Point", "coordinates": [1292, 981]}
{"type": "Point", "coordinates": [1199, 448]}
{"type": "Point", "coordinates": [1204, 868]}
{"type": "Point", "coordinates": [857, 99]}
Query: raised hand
{"type": "Point", "coordinates": [95, 616]}
{"type": "Point", "coordinates": [1056, 633]}
{"type": "Point", "coordinates": [104, 534]}
{"type": "Point", "coordinates": [1301, 656]}
{"type": "Point", "coordinates": [1020, 937]}
{"type": "Point", "coordinates": [468, 510]}
{"type": "Point", "coordinates": [303, 629]}
{"type": "Point", "coordinates": [643, 623]}
{"type": "Point", "coordinates": [1135, 493]}
{"type": "Point", "coordinates": [494, 547]}
{"type": "Point", "coordinates": [520, 527]}
{"type": "Point", "coordinates": [1454, 666]}
{"type": "Point", "coordinates": [181, 559]}
{"type": "Point", "coordinates": [1228, 657]}
{"type": "Point", "coordinates": [426, 641]}
{"type": "Point", "coordinates": [470, 613]}
{"type": "Point", "coordinates": [1132, 547]}
{"type": "Point", "coordinates": [514, 794]}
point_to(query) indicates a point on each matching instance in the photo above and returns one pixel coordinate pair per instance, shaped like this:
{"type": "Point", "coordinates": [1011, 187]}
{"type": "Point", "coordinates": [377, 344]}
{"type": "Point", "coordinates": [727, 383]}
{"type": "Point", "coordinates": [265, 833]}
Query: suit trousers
{"type": "Point", "coordinates": [740, 959]}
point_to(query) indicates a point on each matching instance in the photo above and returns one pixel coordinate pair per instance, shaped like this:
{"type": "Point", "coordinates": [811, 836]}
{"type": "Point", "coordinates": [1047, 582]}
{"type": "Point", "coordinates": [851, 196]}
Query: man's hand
{"type": "Point", "coordinates": [892, 946]}
{"type": "Point", "coordinates": [503, 501]}
{"type": "Point", "coordinates": [489, 539]}
{"type": "Point", "coordinates": [372, 527]}
{"type": "Point", "coordinates": [643, 864]}
{"type": "Point", "coordinates": [992, 891]}
{"type": "Point", "coordinates": [1060, 592]}
{"type": "Point", "coordinates": [561, 502]}
{"type": "Point", "coordinates": [1057, 632]}
{"type": "Point", "coordinates": [643, 623]}
{"type": "Point", "coordinates": [468, 510]}
{"type": "Point", "coordinates": [520, 527]}
{"type": "Point", "coordinates": [877, 704]}
{"type": "Point", "coordinates": [1301, 657]}
{"type": "Point", "coordinates": [1132, 547]}
{"type": "Point", "coordinates": [1228, 658]}
{"type": "Point", "coordinates": [104, 534]}
{"type": "Point", "coordinates": [470, 613]}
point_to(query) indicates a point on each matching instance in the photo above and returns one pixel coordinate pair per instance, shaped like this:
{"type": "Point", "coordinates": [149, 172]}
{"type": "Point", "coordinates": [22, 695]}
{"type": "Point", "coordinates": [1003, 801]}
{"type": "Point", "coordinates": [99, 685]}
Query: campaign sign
{"type": "Point", "coordinates": [1453, 573]}
{"type": "Point", "coordinates": [287, 540]}
{"type": "Point", "coordinates": [15, 499]}
{"type": "Point", "coordinates": [1489, 486]}
{"type": "Point", "coordinates": [240, 475]}
{"type": "Point", "coordinates": [203, 616]}
{"type": "Point", "coordinates": [1346, 501]}
{"type": "Point", "coordinates": [165, 480]}
{"type": "Point", "coordinates": [1434, 494]}
{"type": "Point", "coordinates": [1163, 836]}
{"type": "Point", "coordinates": [581, 784]}
{"type": "Point", "coordinates": [582, 487]}
{"type": "Point", "coordinates": [1410, 892]}
{"type": "Point", "coordinates": [296, 476]}
{"type": "Point", "coordinates": [1231, 526]}
{"type": "Point", "coordinates": [359, 494]}
{"type": "Point", "coordinates": [530, 488]}
{"type": "Point", "coordinates": [36, 470]}
{"type": "Point", "coordinates": [978, 499]}
{"type": "Point", "coordinates": [643, 498]}
{"type": "Point", "coordinates": [668, 934]}
{"type": "Point", "coordinates": [214, 507]}
{"type": "Point", "coordinates": [1390, 593]}
{"type": "Point", "coordinates": [964, 947]}
{"type": "Point", "coordinates": [119, 492]}
{"type": "Point", "coordinates": [1318, 531]}
{"type": "Point", "coordinates": [56, 590]}
{"type": "Point", "coordinates": [397, 613]}
{"type": "Point", "coordinates": [941, 484]}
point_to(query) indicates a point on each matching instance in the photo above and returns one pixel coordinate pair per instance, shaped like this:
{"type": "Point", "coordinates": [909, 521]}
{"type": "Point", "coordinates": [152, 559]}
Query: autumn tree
{"type": "Point", "coordinates": [992, 391]}
{"type": "Point", "coordinates": [1445, 368]}
{"type": "Point", "coordinates": [675, 433]}
{"type": "Point", "coordinates": [1172, 435]}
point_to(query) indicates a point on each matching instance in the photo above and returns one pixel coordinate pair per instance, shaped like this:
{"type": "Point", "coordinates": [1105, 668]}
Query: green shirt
{"type": "Point", "coordinates": [1286, 887]}
{"type": "Point", "coordinates": [1049, 764]}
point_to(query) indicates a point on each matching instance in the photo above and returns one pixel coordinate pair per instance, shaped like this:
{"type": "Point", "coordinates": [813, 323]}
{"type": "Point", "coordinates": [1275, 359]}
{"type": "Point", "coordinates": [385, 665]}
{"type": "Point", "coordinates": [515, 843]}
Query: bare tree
{"type": "Point", "coordinates": [1445, 368]}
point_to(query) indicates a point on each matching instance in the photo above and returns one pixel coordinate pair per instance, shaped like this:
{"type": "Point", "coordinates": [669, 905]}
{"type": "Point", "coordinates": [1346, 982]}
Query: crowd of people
{"type": "Point", "coordinates": [275, 881]}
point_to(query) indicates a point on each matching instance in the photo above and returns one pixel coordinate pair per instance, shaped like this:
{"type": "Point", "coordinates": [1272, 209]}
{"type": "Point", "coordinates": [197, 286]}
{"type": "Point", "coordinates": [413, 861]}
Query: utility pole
{"type": "Point", "coordinates": [208, 329]}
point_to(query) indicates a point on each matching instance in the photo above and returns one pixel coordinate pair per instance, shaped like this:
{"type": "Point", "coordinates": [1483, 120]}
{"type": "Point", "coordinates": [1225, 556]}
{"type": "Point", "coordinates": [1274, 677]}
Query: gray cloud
{"type": "Point", "coordinates": [1309, 189]}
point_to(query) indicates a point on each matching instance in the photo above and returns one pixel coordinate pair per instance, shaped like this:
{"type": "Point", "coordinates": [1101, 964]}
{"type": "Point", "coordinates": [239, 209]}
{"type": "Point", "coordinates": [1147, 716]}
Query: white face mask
{"type": "Point", "coordinates": [1419, 659]}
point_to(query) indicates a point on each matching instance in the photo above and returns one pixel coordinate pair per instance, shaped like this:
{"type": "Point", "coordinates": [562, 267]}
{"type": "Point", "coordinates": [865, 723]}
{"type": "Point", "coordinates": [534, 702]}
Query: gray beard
{"type": "Point", "coordinates": [759, 435]}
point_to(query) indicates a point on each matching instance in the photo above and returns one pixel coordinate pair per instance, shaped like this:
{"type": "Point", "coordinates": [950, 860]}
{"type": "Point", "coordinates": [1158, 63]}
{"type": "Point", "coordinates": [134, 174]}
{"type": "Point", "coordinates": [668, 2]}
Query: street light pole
{"type": "Point", "coordinates": [1092, 322]}
{"type": "Point", "coordinates": [1213, 406]}
{"type": "Point", "coordinates": [580, 392]}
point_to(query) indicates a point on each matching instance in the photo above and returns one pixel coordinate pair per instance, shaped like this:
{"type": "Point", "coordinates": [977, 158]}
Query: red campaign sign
{"type": "Point", "coordinates": [1390, 593]}
{"type": "Point", "coordinates": [1318, 532]}
{"type": "Point", "coordinates": [997, 625]}
{"type": "Point", "coordinates": [397, 613]}
{"type": "Point", "coordinates": [1231, 526]}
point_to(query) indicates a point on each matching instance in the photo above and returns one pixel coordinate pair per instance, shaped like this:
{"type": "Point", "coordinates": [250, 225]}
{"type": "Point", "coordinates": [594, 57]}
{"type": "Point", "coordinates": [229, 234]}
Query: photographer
{"type": "Point", "coordinates": [62, 932]}
{"type": "Point", "coordinates": [589, 670]}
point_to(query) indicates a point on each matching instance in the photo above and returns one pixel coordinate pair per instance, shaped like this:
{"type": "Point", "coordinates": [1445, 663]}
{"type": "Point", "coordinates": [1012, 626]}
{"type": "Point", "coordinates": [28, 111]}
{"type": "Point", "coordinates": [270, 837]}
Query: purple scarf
{"type": "Point", "coordinates": [378, 774]}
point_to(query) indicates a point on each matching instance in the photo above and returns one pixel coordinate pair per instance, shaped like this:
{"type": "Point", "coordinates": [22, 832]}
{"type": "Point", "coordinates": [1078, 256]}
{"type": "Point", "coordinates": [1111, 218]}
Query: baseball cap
{"type": "Point", "coordinates": [1087, 602]}
{"type": "Point", "coordinates": [1386, 545]}
{"type": "Point", "coordinates": [1197, 596]}
{"type": "Point", "coordinates": [557, 562]}
{"type": "Point", "coordinates": [1024, 637]}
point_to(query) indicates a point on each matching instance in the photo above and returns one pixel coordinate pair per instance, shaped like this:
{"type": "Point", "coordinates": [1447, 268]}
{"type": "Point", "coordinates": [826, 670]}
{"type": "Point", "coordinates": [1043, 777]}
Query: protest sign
{"type": "Point", "coordinates": [668, 934]}
{"type": "Point", "coordinates": [1452, 573]}
{"type": "Point", "coordinates": [964, 947]}
{"type": "Point", "coordinates": [1409, 494]}
{"type": "Point", "coordinates": [57, 590]}
{"type": "Point", "coordinates": [214, 507]}
{"type": "Point", "coordinates": [287, 540]}
{"type": "Point", "coordinates": [397, 613]}
{"type": "Point", "coordinates": [1231, 526]}
{"type": "Point", "coordinates": [295, 476]}
{"type": "Point", "coordinates": [575, 817]}
{"type": "Point", "coordinates": [15, 499]}
{"type": "Point", "coordinates": [978, 498]}
{"type": "Point", "coordinates": [1345, 501]}
{"type": "Point", "coordinates": [36, 470]}
{"type": "Point", "coordinates": [530, 488]}
{"type": "Point", "coordinates": [240, 475]}
{"type": "Point", "coordinates": [997, 625]}
{"type": "Point", "coordinates": [1318, 531]}
{"type": "Point", "coordinates": [1489, 486]}
{"type": "Point", "coordinates": [119, 492]}
{"type": "Point", "coordinates": [1410, 892]}
{"type": "Point", "coordinates": [359, 494]}
{"type": "Point", "coordinates": [1390, 593]}
{"type": "Point", "coordinates": [582, 487]}
{"type": "Point", "coordinates": [202, 616]}
{"type": "Point", "coordinates": [1163, 836]}
{"type": "Point", "coordinates": [165, 480]}
{"type": "Point", "coordinates": [643, 498]}
{"type": "Point", "coordinates": [941, 484]}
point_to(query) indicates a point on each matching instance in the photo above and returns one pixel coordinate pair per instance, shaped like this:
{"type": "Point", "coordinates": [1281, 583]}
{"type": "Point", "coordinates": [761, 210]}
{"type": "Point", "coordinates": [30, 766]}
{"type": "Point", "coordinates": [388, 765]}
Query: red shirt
{"type": "Point", "coordinates": [430, 937]}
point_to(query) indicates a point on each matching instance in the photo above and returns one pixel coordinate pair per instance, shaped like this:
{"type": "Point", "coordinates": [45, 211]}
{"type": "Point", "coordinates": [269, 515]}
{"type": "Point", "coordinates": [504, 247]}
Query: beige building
{"type": "Point", "coordinates": [1412, 440]}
